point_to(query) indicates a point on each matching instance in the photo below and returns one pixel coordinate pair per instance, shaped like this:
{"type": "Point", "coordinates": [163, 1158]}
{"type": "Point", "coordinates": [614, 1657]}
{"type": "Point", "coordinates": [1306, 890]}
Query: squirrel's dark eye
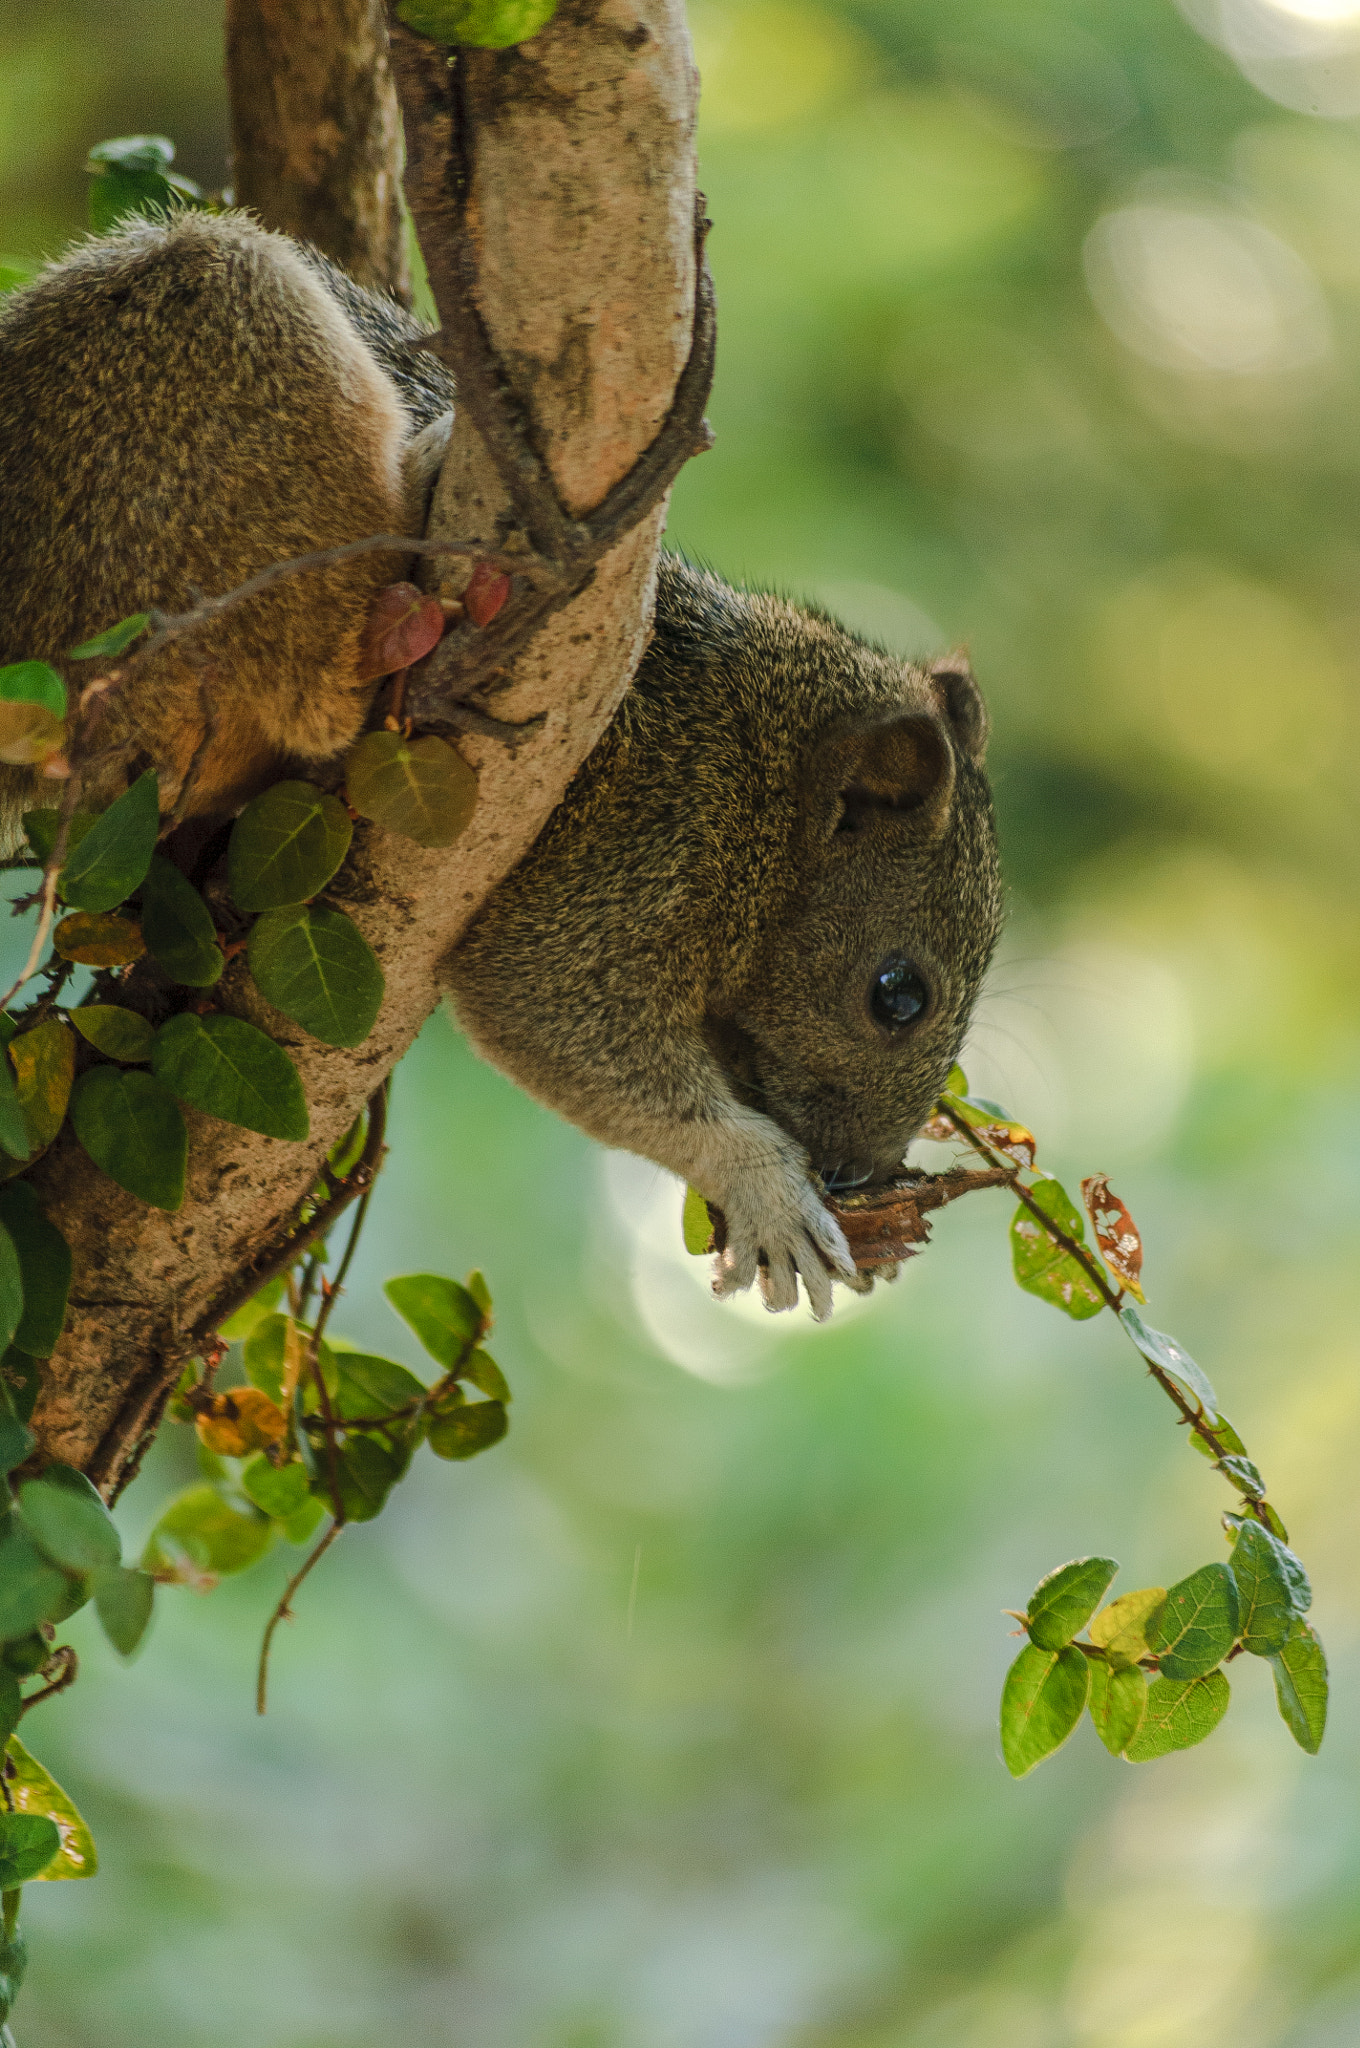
{"type": "Point", "coordinates": [897, 994]}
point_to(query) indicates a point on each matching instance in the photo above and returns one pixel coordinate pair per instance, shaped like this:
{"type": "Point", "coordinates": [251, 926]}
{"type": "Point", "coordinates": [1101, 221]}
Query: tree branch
{"type": "Point", "coordinates": [316, 131]}
{"type": "Point", "coordinates": [573, 174]}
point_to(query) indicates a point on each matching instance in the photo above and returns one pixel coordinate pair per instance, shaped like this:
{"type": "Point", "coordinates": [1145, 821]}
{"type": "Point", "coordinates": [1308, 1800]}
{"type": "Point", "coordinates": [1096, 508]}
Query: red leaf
{"type": "Point", "coordinates": [487, 591]}
{"type": "Point", "coordinates": [403, 625]}
{"type": "Point", "coordinates": [1121, 1247]}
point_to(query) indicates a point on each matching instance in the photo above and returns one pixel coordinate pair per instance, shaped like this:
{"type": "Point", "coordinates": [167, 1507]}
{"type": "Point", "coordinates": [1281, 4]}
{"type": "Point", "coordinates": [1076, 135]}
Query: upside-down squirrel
{"type": "Point", "coordinates": [748, 941]}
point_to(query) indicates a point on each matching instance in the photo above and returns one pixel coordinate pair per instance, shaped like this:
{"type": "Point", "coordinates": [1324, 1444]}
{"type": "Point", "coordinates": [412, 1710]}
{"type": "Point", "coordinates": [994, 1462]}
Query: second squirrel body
{"type": "Point", "coordinates": [748, 942]}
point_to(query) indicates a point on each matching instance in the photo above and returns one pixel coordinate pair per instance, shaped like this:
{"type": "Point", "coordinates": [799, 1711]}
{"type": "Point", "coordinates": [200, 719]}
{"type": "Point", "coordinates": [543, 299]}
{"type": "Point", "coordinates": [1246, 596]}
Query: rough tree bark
{"type": "Point", "coordinates": [316, 131]}
{"type": "Point", "coordinates": [553, 188]}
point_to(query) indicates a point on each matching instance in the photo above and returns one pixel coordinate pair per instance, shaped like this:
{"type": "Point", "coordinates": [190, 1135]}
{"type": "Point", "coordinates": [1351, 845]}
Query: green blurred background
{"type": "Point", "coordinates": [671, 1724]}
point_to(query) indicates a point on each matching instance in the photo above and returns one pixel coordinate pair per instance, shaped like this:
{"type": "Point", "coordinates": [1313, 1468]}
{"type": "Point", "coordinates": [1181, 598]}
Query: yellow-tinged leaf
{"type": "Point", "coordinates": [422, 788]}
{"type": "Point", "coordinates": [98, 940]}
{"type": "Point", "coordinates": [1120, 1629]}
{"type": "Point", "coordinates": [294, 1359]}
{"type": "Point", "coordinates": [241, 1421]}
{"type": "Point", "coordinates": [44, 1062]}
{"type": "Point", "coordinates": [28, 734]}
{"type": "Point", "coordinates": [34, 1790]}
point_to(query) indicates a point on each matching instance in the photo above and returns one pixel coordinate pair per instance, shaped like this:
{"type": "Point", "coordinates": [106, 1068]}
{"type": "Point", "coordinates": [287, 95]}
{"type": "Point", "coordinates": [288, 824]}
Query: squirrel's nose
{"type": "Point", "coordinates": [846, 1174]}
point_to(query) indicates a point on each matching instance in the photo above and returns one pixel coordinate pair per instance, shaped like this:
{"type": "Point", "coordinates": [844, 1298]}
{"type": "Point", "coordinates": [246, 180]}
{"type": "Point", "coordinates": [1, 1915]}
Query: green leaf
{"type": "Point", "coordinates": [1118, 1701]}
{"type": "Point", "coordinates": [366, 1385]}
{"type": "Point", "coordinates": [285, 846]}
{"type": "Point", "coordinates": [1065, 1601]}
{"type": "Point", "coordinates": [114, 639]}
{"type": "Point", "coordinates": [253, 1312]}
{"type": "Point", "coordinates": [696, 1225]}
{"type": "Point", "coordinates": [266, 1354]}
{"type": "Point", "coordinates": [33, 682]}
{"type": "Point", "coordinates": [366, 1472]}
{"type": "Point", "coordinates": [44, 1064]}
{"type": "Point", "coordinates": [483, 24]}
{"type": "Point", "coordinates": [204, 1533]}
{"type": "Point", "coordinates": [443, 1315]}
{"type": "Point", "coordinates": [14, 1134]}
{"type": "Point", "coordinates": [423, 788]}
{"type": "Point", "coordinates": [1120, 1629]}
{"type": "Point", "coordinates": [957, 1084]}
{"type": "Point", "coordinates": [464, 1430]}
{"type": "Point", "coordinates": [1290, 1567]}
{"type": "Point", "coordinates": [27, 1655]}
{"type": "Point", "coordinates": [45, 1266]}
{"type": "Point", "coordinates": [484, 1374]}
{"type": "Point", "coordinates": [119, 1034]}
{"type": "Point", "coordinates": [1300, 1669]}
{"type": "Point", "coordinates": [233, 1071]}
{"type": "Point", "coordinates": [1198, 1625]}
{"type": "Point", "coordinates": [300, 1527]}
{"type": "Point", "coordinates": [40, 829]}
{"type": "Point", "coordinates": [1180, 1712]}
{"type": "Point", "coordinates": [131, 174]}
{"type": "Point", "coordinates": [11, 1289]}
{"type": "Point", "coordinates": [1044, 1268]}
{"type": "Point", "coordinates": [1264, 1598]}
{"type": "Point", "coordinates": [123, 1601]}
{"type": "Point", "coordinates": [318, 968]}
{"type": "Point", "coordinates": [16, 1439]}
{"type": "Point", "coordinates": [28, 1842]}
{"type": "Point", "coordinates": [1164, 1351]}
{"type": "Point", "coordinates": [178, 928]}
{"type": "Point", "coordinates": [68, 1521]}
{"type": "Point", "coordinates": [1042, 1701]}
{"type": "Point", "coordinates": [1244, 1476]}
{"type": "Point", "coordinates": [32, 1590]}
{"type": "Point", "coordinates": [34, 1790]}
{"type": "Point", "coordinates": [114, 855]}
{"type": "Point", "coordinates": [11, 1700]}
{"type": "Point", "coordinates": [132, 1129]}
{"type": "Point", "coordinates": [481, 1294]}
{"type": "Point", "coordinates": [277, 1490]}
{"type": "Point", "coordinates": [23, 1376]}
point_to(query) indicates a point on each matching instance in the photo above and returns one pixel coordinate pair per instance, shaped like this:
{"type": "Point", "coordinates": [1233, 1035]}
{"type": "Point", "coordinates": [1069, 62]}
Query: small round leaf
{"type": "Point", "coordinates": [316, 966]}
{"type": "Point", "coordinates": [119, 1034]}
{"type": "Point", "coordinates": [422, 788]}
{"type": "Point", "coordinates": [178, 928]}
{"type": "Point", "coordinates": [285, 846]}
{"type": "Point", "coordinates": [132, 1128]}
{"type": "Point", "coordinates": [233, 1071]}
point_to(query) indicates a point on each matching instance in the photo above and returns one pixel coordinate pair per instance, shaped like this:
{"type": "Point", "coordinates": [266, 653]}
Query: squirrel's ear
{"type": "Point", "coordinates": [961, 704]}
{"type": "Point", "coordinates": [900, 767]}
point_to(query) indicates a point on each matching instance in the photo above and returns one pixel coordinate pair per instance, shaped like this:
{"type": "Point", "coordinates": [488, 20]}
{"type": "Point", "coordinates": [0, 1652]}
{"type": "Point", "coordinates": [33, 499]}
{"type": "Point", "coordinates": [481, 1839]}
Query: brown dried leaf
{"type": "Point", "coordinates": [102, 940]}
{"type": "Point", "coordinates": [1121, 1247]}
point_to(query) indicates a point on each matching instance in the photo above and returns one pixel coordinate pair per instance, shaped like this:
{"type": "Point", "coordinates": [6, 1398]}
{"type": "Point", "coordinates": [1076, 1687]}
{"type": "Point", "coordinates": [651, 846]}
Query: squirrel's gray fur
{"type": "Point", "coordinates": [683, 964]}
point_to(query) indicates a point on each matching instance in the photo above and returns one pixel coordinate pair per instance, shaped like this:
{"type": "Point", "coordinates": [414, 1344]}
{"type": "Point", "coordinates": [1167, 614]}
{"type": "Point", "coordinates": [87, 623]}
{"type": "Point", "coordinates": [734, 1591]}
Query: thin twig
{"type": "Point", "coordinates": [69, 1671]}
{"type": "Point", "coordinates": [1195, 1417]}
{"type": "Point", "coordinates": [283, 1612]}
{"type": "Point", "coordinates": [303, 1231]}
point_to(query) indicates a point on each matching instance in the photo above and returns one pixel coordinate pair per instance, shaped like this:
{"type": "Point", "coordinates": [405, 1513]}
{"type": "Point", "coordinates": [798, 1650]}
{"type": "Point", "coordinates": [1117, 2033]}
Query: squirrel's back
{"type": "Point", "coordinates": [183, 402]}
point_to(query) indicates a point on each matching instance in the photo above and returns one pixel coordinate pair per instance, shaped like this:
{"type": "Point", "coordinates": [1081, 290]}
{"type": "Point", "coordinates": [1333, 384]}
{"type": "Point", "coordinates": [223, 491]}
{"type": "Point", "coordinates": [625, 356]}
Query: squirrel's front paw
{"type": "Point", "coordinates": [780, 1234]}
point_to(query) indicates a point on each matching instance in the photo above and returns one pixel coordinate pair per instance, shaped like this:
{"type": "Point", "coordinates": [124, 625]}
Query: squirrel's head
{"type": "Point", "coordinates": [855, 1004]}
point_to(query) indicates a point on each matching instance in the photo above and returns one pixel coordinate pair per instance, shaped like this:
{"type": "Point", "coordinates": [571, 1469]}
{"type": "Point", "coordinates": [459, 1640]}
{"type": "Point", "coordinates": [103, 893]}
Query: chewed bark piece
{"type": "Point", "coordinates": [883, 1225]}
{"type": "Point", "coordinates": [886, 1224]}
{"type": "Point", "coordinates": [403, 626]}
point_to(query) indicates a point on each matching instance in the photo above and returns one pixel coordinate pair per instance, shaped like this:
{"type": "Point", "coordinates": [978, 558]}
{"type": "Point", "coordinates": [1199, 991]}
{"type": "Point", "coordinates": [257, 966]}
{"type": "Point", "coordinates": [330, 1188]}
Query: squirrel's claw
{"type": "Point", "coordinates": [802, 1242]}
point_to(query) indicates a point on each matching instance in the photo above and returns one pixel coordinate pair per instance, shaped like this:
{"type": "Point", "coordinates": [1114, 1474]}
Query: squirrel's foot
{"type": "Point", "coordinates": [781, 1234]}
